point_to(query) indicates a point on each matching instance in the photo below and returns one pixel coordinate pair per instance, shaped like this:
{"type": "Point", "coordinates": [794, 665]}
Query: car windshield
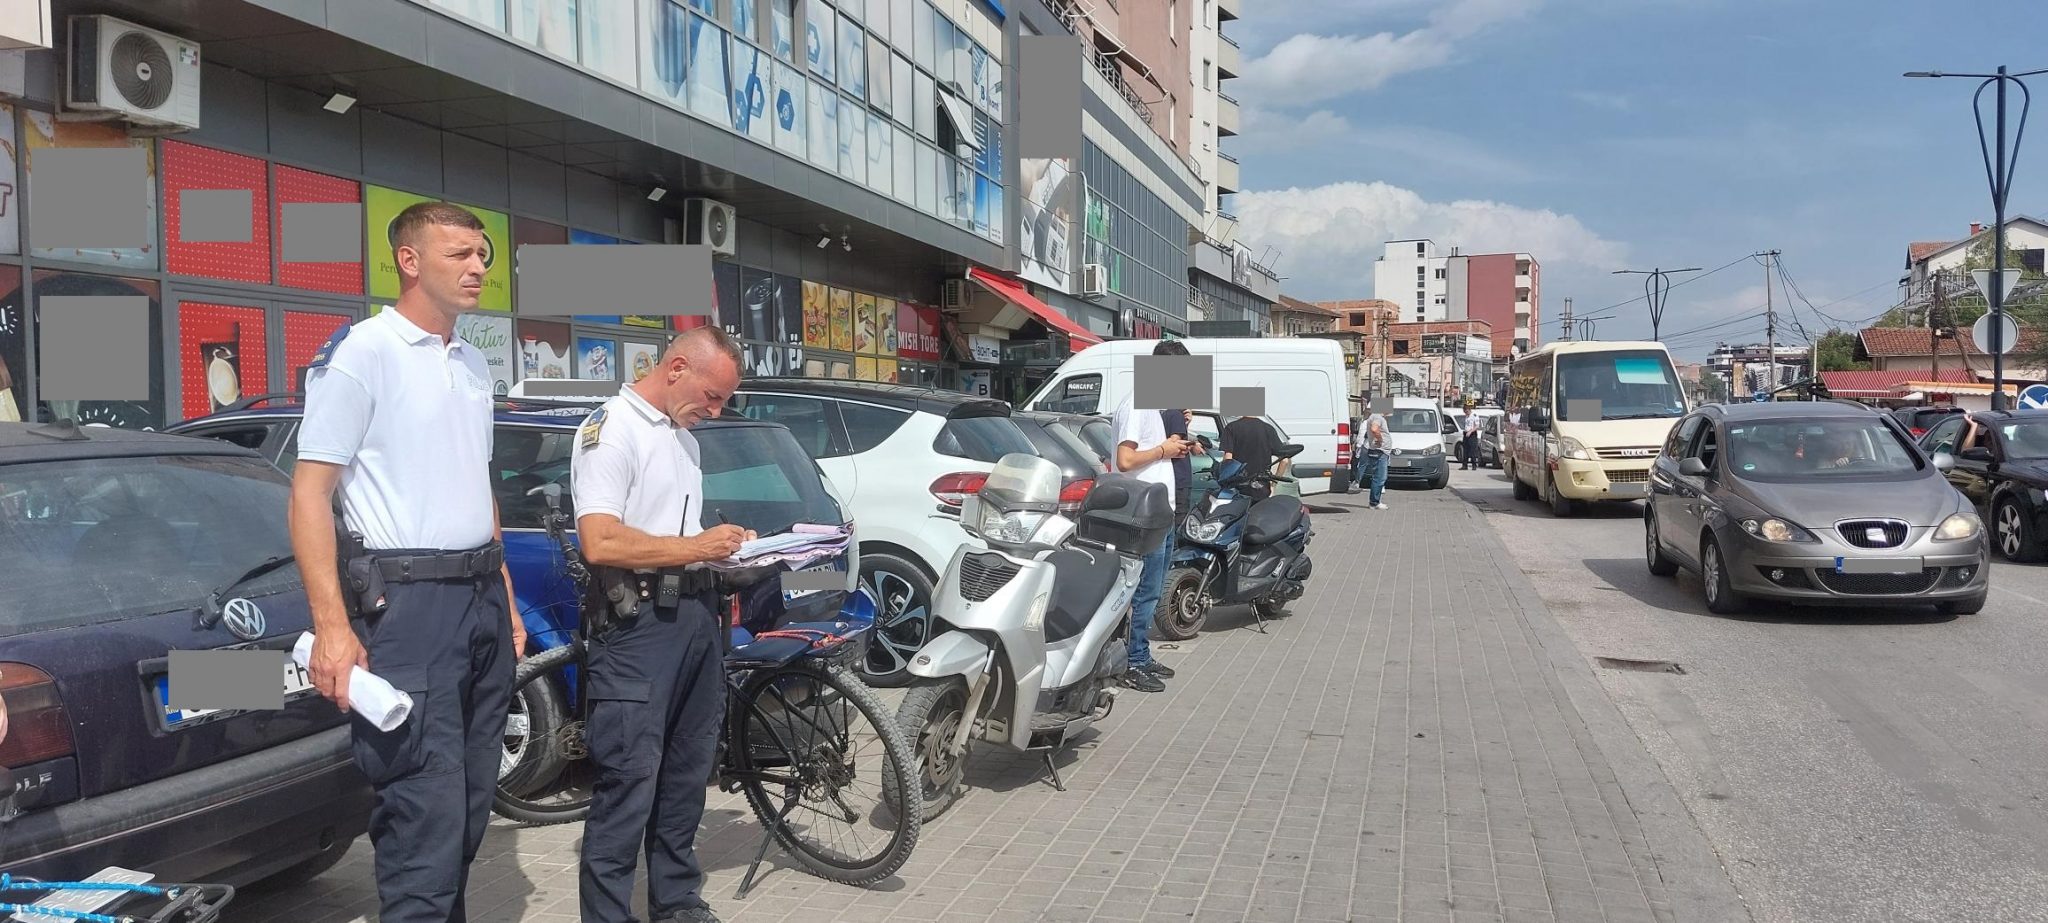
{"type": "Point", "coordinates": [760, 479]}
{"type": "Point", "coordinates": [1628, 385]}
{"type": "Point", "coordinates": [104, 539]}
{"type": "Point", "coordinates": [1848, 450]}
{"type": "Point", "coordinates": [2025, 438]}
{"type": "Point", "coordinates": [1414, 420]}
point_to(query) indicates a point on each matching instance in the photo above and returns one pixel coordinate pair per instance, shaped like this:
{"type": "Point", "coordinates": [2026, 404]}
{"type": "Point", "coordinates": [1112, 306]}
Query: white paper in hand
{"type": "Point", "coordinates": [383, 704]}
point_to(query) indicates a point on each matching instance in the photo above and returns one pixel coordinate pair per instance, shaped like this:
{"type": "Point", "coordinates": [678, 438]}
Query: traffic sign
{"type": "Point", "coordinates": [2034, 397]}
{"type": "Point", "coordinates": [1980, 333]}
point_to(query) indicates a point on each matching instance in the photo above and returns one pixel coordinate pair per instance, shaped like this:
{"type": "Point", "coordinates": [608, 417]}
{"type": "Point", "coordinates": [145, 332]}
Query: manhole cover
{"type": "Point", "coordinates": [1640, 666]}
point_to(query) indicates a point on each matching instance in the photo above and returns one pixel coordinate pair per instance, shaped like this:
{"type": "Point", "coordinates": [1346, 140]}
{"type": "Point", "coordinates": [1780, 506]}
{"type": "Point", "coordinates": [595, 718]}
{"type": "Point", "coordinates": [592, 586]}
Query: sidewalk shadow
{"type": "Point", "coordinates": [1680, 595]}
{"type": "Point", "coordinates": [1499, 497]}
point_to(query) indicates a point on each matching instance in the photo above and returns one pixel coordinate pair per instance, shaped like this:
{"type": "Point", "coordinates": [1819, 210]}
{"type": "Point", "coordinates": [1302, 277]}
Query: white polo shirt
{"type": "Point", "coordinates": [1147, 429]}
{"type": "Point", "coordinates": [409, 416]}
{"type": "Point", "coordinates": [632, 462]}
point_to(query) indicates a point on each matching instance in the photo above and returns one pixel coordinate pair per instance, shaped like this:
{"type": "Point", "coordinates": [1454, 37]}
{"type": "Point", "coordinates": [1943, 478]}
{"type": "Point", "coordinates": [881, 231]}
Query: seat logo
{"type": "Point", "coordinates": [243, 619]}
{"type": "Point", "coordinates": [1874, 534]}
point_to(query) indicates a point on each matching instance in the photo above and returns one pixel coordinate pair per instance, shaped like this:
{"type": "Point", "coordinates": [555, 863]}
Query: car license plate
{"type": "Point", "coordinates": [1399, 463]}
{"type": "Point", "coordinates": [1877, 565]}
{"type": "Point", "coordinates": [296, 683]}
{"type": "Point", "coordinates": [84, 901]}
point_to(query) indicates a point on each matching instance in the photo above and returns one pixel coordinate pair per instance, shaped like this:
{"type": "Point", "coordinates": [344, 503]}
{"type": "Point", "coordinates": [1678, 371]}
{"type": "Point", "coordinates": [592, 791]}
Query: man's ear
{"type": "Point", "coordinates": [407, 260]}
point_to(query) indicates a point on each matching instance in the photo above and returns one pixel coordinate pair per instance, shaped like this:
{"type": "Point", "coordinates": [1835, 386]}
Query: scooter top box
{"type": "Point", "coordinates": [1128, 512]}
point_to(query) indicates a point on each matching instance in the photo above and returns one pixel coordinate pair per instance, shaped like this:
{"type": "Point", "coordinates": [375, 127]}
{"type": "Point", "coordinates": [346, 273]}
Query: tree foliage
{"type": "Point", "coordinates": [1837, 352]}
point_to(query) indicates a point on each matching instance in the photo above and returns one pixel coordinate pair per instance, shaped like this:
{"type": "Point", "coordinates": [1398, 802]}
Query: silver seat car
{"type": "Point", "coordinates": [1823, 502]}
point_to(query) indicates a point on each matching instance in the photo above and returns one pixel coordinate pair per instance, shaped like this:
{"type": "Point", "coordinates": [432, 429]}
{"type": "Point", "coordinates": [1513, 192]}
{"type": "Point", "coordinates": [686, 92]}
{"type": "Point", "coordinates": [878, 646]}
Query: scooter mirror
{"type": "Point", "coordinates": [1287, 450]}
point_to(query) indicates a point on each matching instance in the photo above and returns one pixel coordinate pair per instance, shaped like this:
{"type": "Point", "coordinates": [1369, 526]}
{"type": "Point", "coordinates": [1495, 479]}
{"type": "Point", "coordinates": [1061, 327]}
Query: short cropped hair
{"type": "Point", "coordinates": [1170, 348]}
{"type": "Point", "coordinates": [405, 229]}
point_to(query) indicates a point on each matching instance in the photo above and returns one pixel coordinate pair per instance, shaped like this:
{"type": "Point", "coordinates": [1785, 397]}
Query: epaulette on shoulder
{"type": "Point", "coordinates": [326, 352]}
{"type": "Point", "coordinates": [592, 426]}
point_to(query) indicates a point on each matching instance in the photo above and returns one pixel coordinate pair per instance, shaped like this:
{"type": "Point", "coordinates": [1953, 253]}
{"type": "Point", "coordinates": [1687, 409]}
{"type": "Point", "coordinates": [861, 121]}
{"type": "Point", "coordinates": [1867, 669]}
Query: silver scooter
{"type": "Point", "coordinates": [1041, 620]}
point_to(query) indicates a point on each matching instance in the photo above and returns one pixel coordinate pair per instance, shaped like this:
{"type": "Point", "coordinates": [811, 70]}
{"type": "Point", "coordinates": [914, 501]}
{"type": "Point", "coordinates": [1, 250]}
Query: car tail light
{"type": "Point", "coordinates": [954, 489]}
{"type": "Point", "coordinates": [1919, 431]}
{"type": "Point", "coordinates": [1343, 446]}
{"type": "Point", "coordinates": [1072, 495]}
{"type": "Point", "coordinates": [38, 728]}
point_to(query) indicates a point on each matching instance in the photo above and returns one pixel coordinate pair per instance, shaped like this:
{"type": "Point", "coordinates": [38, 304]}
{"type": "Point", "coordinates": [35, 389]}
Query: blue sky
{"type": "Point", "coordinates": [1612, 134]}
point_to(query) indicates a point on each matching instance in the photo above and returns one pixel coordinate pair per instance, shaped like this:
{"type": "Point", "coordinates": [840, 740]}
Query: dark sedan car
{"type": "Point", "coordinates": [117, 548]}
{"type": "Point", "coordinates": [1918, 420]}
{"type": "Point", "coordinates": [2002, 466]}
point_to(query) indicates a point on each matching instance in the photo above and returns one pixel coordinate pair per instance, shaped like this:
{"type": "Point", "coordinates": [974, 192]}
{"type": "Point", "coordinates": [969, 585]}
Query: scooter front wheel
{"type": "Point", "coordinates": [1182, 608]}
{"type": "Point", "coordinates": [933, 712]}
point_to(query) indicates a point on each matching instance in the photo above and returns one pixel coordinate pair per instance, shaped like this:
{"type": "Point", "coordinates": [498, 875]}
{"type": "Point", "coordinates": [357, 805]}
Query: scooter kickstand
{"type": "Point", "coordinates": [1053, 770]}
{"type": "Point", "coordinates": [748, 881]}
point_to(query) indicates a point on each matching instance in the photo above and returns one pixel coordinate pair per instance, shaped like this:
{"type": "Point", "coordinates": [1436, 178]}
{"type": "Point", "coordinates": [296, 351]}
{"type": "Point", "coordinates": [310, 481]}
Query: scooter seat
{"type": "Point", "coordinates": [1271, 519]}
{"type": "Point", "coordinates": [1081, 580]}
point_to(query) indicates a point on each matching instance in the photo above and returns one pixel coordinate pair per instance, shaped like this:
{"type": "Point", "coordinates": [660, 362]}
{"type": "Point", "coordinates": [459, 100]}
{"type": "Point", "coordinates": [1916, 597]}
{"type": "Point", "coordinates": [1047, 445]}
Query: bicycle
{"type": "Point", "coordinates": [788, 741]}
{"type": "Point", "coordinates": [83, 901]}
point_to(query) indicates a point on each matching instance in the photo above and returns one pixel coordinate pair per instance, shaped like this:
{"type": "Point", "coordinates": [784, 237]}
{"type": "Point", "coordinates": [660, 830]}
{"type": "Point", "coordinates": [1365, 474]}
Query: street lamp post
{"type": "Point", "coordinates": [1998, 169]}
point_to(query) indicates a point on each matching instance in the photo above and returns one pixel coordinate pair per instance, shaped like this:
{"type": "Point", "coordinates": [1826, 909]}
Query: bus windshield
{"type": "Point", "coordinates": [1627, 384]}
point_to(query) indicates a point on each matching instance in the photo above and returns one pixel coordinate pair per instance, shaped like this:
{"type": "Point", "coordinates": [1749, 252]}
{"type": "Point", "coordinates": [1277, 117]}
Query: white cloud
{"type": "Point", "coordinates": [1329, 235]}
{"type": "Point", "coordinates": [1619, 102]}
{"type": "Point", "coordinates": [1306, 69]}
{"type": "Point", "coordinates": [1268, 132]}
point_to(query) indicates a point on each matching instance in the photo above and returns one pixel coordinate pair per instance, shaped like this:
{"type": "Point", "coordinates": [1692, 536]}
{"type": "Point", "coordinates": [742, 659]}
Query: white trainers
{"type": "Point", "coordinates": [1383, 506]}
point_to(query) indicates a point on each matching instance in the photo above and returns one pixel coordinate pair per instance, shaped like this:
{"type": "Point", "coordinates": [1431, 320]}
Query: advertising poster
{"type": "Point", "coordinates": [752, 75]}
{"type": "Point", "coordinates": [885, 312]}
{"type": "Point", "coordinates": [791, 125]}
{"type": "Point", "coordinates": [13, 348]}
{"type": "Point", "coordinates": [191, 168]}
{"type": "Point", "coordinates": [759, 318]}
{"type": "Point", "coordinates": [820, 27]}
{"type": "Point", "coordinates": [304, 333]}
{"type": "Point", "coordinates": [864, 368]}
{"type": "Point", "coordinates": [707, 73]}
{"type": "Point", "coordinates": [1046, 189]}
{"type": "Point", "coordinates": [298, 186]}
{"type": "Point", "coordinates": [867, 328]}
{"type": "Point", "coordinates": [223, 356]}
{"type": "Point", "coordinates": [381, 206]}
{"type": "Point", "coordinates": [663, 49]}
{"type": "Point", "coordinates": [543, 350]}
{"type": "Point", "coordinates": [42, 132]}
{"type": "Point", "coordinates": [10, 198]}
{"type": "Point", "coordinates": [638, 359]}
{"type": "Point", "coordinates": [725, 277]}
{"type": "Point", "coordinates": [817, 315]}
{"type": "Point", "coordinates": [146, 413]}
{"type": "Point", "coordinates": [596, 358]}
{"type": "Point", "coordinates": [917, 336]}
{"type": "Point", "coordinates": [842, 320]}
{"type": "Point", "coordinates": [886, 371]}
{"type": "Point", "coordinates": [596, 239]}
{"type": "Point", "coordinates": [841, 369]}
{"type": "Point", "coordinates": [491, 334]}
{"type": "Point", "coordinates": [644, 320]}
{"type": "Point", "coordinates": [497, 293]}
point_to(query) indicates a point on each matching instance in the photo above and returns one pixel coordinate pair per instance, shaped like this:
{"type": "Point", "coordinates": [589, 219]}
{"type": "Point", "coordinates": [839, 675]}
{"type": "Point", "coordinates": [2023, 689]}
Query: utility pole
{"type": "Point", "coordinates": [1934, 311]}
{"type": "Point", "coordinates": [1770, 328]}
{"type": "Point", "coordinates": [1567, 318]}
{"type": "Point", "coordinates": [1656, 289]}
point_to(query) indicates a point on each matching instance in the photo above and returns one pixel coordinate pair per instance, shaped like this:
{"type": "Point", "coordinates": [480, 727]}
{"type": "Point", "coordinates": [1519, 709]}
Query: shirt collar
{"type": "Point", "coordinates": [413, 334]}
{"type": "Point", "coordinates": [647, 411]}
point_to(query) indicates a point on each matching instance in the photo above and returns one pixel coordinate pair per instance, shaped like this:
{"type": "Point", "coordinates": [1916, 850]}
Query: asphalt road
{"type": "Point", "coordinates": [1847, 765]}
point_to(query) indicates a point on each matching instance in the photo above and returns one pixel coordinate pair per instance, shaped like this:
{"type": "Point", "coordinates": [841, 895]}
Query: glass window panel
{"type": "Point", "coordinates": [853, 143]}
{"type": "Point", "coordinates": [710, 99]}
{"type": "Point", "coordinates": [902, 82]}
{"type": "Point", "coordinates": [824, 130]}
{"type": "Point", "coordinates": [820, 27]}
{"type": "Point", "coordinates": [995, 89]}
{"type": "Point", "coordinates": [784, 38]}
{"type": "Point", "coordinates": [963, 194]}
{"type": "Point", "coordinates": [977, 66]}
{"type": "Point", "coordinates": [549, 25]}
{"type": "Point", "coordinates": [743, 20]}
{"type": "Point", "coordinates": [853, 59]}
{"type": "Point", "coordinates": [995, 214]}
{"type": "Point", "coordinates": [927, 35]}
{"type": "Point", "coordinates": [942, 40]}
{"type": "Point", "coordinates": [881, 90]}
{"type": "Point", "coordinates": [927, 179]}
{"type": "Point", "coordinates": [790, 106]}
{"type": "Point", "coordinates": [488, 12]}
{"type": "Point", "coordinates": [707, 7]}
{"type": "Point", "coordinates": [608, 32]}
{"type": "Point", "coordinates": [903, 33]}
{"type": "Point", "coordinates": [661, 69]}
{"type": "Point", "coordinates": [905, 156]}
{"type": "Point", "coordinates": [926, 115]}
{"type": "Point", "coordinates": [877, 20]}
{"type": "Point", "coordinates": [881, 170]}
{"type": "Point", "coordinates": [752, 77]}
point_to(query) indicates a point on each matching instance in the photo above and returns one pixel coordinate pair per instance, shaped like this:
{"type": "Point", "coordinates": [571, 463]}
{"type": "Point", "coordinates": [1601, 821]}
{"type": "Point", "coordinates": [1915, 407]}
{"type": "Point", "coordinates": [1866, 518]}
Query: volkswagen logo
{"type": "Point", "coordinates": [243, 619]}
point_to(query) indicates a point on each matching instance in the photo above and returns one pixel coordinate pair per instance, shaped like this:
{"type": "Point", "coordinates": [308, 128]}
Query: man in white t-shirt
{"type": "Point", "coordinates": [1146, 451]}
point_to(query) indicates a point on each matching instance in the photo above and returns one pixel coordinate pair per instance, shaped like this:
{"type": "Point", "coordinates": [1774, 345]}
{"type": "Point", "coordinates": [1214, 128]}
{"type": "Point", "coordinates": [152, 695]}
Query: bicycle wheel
{"type": "Point", "coordinates": [523, 796]}
{"type": "Point", "coordinates": [810, 746]}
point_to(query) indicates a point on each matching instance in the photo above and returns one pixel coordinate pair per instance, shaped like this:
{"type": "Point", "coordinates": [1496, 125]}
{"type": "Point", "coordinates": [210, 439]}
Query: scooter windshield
{"type": "Point", "coordinates": [1021, 483]}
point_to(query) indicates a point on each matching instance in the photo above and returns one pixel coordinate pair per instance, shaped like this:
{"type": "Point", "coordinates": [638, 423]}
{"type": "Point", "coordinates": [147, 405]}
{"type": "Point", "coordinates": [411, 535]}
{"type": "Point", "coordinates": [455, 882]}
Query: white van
{"type": "Point", "coordinates": [1304, 382]}
{"type": "Point", "coordinates": [1416, 427]}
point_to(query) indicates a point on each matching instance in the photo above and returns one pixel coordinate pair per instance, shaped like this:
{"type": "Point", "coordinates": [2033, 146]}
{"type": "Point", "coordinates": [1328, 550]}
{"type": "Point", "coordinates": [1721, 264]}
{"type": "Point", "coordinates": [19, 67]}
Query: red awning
{"type": "Point", "coordinates": [1014, 292]}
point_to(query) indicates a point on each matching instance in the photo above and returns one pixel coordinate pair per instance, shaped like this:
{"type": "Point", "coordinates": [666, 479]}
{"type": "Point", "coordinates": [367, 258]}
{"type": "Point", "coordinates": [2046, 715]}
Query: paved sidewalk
{"type": "Point", "coordinates": [1417, 742]}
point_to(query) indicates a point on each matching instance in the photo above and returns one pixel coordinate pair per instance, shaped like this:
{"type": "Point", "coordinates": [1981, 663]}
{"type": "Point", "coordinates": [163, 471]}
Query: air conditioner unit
{"type": "Point", "coordinates": [1094, 280]}
{"type": "Point", "coordinates": [955, 295]}
{"type": "Point", "coordinates": [129, 72]}
{"type": "Point", "coordinates": [713, 224]}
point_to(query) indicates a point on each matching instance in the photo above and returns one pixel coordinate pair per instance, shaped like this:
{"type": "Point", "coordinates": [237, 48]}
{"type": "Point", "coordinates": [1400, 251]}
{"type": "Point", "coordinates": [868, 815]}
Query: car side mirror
{"type": "Point", "coordinates": [1976, 454]}
{"type": "Point", "coordinates": [1944, 462]}
{"type": "Point", "coordinates": [1692, 468]}
{"type": "Point", "coordinates": [1536, 419]}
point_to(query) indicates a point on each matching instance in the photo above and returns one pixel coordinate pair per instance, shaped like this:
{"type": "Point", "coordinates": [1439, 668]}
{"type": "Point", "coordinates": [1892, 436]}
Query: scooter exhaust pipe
{"type": "Point", "coordinates": [1105, 702]}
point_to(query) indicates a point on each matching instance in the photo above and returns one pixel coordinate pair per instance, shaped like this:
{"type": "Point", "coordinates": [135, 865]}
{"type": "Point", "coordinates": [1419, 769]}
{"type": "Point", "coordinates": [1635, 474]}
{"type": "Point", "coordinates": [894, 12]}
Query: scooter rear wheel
{"type": "Point", "coordinates": [933, 712]}
{"type": "Point", "coordinates": [1182, 610]}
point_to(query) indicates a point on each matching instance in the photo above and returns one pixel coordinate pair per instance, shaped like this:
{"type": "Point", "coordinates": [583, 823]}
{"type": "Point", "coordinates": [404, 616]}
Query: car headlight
{"type": "Point", "coordinates": [1568, 447]}
{"type": "Point", "coordinates": [1431, 449]}
{"type": "Point", "coordinates": [1776, 530]}
{"type": "Point", "coordinates": [1958, 527]}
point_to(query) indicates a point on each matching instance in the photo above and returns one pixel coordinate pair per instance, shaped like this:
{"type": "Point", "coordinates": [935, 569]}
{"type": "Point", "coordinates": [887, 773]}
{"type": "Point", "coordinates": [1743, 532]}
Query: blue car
{"type": "Point", "coordinates": [755, 474]}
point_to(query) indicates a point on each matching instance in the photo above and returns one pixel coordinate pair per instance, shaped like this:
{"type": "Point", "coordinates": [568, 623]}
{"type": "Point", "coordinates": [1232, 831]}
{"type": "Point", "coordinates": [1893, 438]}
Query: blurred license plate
{"type": "Point", "coordinates": [1399, 463]}
{"type": "Point", "coordinates": [296, 683]}
{"type": "Point", "coordinates": [788, 595]}
{"type": "Point", "coordinates": [1877, 565]}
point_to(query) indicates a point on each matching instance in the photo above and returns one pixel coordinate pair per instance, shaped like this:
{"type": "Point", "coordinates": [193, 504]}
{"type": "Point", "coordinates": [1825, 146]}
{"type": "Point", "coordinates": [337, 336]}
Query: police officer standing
{"type": "Point", "coordinates": [656, 651]}
{"type": "Point", "coordinates": [398, 418]}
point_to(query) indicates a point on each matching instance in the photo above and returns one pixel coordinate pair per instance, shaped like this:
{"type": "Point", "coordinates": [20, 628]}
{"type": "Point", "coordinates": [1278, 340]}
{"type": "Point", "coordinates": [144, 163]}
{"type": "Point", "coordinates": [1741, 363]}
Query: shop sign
{"type": "Point", "coordinates": [984, 349]}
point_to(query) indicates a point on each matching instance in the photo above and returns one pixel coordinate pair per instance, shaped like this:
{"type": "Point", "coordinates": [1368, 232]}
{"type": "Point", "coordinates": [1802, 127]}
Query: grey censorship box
{"type": "Point", "coordinates": [1167, 382]}
{"type": "Point", "coordinates": [239, 680]}
{"type": "Point", "coordinates": [1580, 410]}
{"type": "Point", "coordinates": [215, 216]}
{"type": "Point", "coordinates": [813, 581]}
{"type": "Point", "coordinates": [91, 198]}
{"type": "Point", "coordinates": [1241, 402]}
{"type": "Point", "coordinates": [95, 347]}
{"type": "Point", "coordinates": [320, 232]}
{"type": "Point", "coordinates": [1881, 565]}
{"type": "Point", "coordinates": [1048, 96]}
{"type": "Point", "coordinates": [1382, 404]}
{"type": "Point", "coordinates": [564, 280]}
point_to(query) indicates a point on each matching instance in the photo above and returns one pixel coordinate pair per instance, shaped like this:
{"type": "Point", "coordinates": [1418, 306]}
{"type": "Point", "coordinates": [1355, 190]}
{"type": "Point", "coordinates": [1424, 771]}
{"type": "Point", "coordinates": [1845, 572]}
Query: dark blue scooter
{"type": "Point", "coordinates": [1234, 550]}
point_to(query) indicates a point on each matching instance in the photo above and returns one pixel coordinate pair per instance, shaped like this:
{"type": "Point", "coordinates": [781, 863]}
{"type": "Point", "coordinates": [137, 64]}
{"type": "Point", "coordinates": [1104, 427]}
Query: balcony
{"type": "Point", "coordinates": [1227, 180]}
{"type": "Point", "coordinates": [1229, 58]}
{"type": "Point", "coordinates": [1227, 10]}
{"type": "Point", "coordinates": [1228, 116]}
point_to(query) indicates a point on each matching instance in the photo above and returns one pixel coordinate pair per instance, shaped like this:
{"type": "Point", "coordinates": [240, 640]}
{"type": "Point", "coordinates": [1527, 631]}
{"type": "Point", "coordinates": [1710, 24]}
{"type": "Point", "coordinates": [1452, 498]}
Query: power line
{"type": "Point", "coordinates": [1622, 304]}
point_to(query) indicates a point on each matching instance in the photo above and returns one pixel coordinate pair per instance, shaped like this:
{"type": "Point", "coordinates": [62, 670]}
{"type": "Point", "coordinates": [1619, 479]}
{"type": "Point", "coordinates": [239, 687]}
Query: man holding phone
{"type": "Point", "coordinates": [1144, 449]}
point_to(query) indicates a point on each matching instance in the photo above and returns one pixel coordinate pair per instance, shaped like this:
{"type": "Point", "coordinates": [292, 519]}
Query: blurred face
{"type": "Point", "coordinates": [446, 265]}
{"type": "Point", "coordinates": [696, 387]}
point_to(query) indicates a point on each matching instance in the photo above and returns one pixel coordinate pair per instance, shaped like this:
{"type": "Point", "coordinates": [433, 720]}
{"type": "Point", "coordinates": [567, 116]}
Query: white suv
{"type": "Point", "coordinates": [903, 459]}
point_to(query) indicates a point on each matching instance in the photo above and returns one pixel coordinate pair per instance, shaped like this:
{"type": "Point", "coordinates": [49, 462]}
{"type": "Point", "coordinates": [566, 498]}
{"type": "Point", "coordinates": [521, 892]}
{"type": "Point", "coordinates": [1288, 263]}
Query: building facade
{"type": "Point", "coordinates": [1293, 317]}
{"type": "Point", "coordinates": [1447, 360]}
{"type": "Point", "coordinates": [1411, 274]}
{"type": "Point", "coordinates": [1502, 289]}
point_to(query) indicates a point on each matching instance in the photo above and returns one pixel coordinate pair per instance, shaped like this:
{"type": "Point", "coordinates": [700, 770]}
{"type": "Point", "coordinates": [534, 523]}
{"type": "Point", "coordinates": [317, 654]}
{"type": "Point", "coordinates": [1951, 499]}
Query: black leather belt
{"type": "Point", "coordinates": [448, 565]}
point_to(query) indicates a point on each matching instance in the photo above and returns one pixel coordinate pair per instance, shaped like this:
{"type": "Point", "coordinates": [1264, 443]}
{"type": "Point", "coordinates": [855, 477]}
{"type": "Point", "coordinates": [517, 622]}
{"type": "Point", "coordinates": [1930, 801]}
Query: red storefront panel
{"type": "Point", "coordinates": [191, 167]}
{"type": "Point", "coordinates": [296, 185]}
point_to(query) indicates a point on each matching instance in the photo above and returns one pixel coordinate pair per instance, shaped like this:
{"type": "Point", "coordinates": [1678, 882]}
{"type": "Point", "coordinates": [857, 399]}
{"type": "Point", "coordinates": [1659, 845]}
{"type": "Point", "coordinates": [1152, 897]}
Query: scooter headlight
{"type": "Point", "coordinates": [1201, 530]}
{"type": "Point", "coordinates": [1009, 527]}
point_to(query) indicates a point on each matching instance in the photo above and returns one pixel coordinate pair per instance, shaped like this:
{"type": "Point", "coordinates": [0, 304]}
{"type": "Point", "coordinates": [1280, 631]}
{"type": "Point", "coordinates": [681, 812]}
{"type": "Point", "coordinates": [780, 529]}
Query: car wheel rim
{"type": "Point", "coordinates": [1650, 539]}
{"type": "Point", "coordinates": [1712, 566]}
{"type": "Point", "coordinates": [902, 624]}
{"type": "Point", "coordinates": [2009, 530]}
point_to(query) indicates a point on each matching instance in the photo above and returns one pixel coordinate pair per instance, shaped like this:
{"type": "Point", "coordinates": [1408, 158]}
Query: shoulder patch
{"type": "Point", "coordinates": [326, 352]}
{"type": "Point", "coordinates": [592, 426]}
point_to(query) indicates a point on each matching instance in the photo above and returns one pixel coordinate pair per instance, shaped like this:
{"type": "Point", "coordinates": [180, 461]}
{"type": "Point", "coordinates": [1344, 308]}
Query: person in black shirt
{"type": "Point", "coordinates": [1176, 422]}
{"type": "Point", "coordinates": [1252, 441]}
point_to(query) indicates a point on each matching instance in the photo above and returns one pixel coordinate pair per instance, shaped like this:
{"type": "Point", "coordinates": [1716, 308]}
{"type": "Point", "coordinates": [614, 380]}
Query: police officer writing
{"type": "Point", "coordinates": [657, 671]}
{"type": "Point", "coordinates": [398, 419]}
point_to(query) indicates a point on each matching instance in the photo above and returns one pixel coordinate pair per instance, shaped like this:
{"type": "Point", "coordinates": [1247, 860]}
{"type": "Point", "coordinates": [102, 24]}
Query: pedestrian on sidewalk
{"type": "Point", "coordinates": [1357, 455]}
{"type": "Point", "coordinates": [1471, 439]}
{"type": "Point", "coordinates": [1144, 449]}
{"type": "Point", "coordinates": [1378, 443]}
